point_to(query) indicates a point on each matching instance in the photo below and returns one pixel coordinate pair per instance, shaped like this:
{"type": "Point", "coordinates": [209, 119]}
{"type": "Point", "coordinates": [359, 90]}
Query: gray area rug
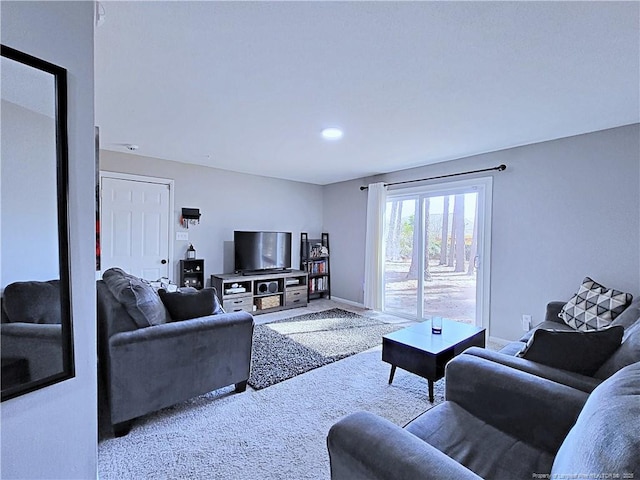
{"type": "Point", "coordinates": [289, 347]}
{"type": "Point", "coordinates": [275, 433]}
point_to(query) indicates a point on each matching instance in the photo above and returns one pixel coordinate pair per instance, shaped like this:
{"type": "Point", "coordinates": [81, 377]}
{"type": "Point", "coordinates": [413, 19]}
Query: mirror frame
{"type": "Point", "coordinates": [62, 183]}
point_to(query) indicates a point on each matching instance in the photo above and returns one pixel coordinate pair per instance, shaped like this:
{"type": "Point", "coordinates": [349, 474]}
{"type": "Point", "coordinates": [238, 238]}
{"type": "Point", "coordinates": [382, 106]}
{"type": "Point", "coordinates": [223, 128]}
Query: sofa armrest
{"type": "Point", "coordinates": [363, 446]}
{"type": "Point", "coordinates": [570, 379]}
{"type": "Point", "coordinates": [155, 367]}
{"type": "Point", "coordinates": [553, 309]}
{"type": "Point", "coordinates": [536, 410]}
{"type": "Point", "coordinates": [40, 344]}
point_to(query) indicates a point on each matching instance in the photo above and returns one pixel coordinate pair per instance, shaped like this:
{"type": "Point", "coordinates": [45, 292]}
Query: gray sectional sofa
{"type": "Point", "coordinates": [499, 423]}
{"type": "Point", "coordinates": [552, 405]}
{"type": "Point", "coordinates": [31, 329]}
{"type": "Point", "coordinates": [146, 368]}
{"type": "Point", "coordinates": [626, 354]}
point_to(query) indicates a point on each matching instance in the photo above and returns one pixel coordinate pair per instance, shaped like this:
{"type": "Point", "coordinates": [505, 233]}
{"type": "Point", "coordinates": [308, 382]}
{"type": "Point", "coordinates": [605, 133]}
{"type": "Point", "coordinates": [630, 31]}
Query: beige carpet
{"type": "Point", "coordinates": [275, 433]}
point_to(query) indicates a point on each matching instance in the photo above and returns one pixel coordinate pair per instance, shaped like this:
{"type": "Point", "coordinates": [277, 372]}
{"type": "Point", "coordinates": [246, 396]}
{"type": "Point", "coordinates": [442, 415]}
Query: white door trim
{"type": "Point", "coordinates": [483, 290]}
{"type": "Point", "coordinates": [146, 179]}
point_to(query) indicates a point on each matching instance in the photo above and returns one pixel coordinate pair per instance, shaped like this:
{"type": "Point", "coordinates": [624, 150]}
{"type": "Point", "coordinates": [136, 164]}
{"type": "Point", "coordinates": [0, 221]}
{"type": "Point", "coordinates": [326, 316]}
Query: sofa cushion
{"type": "Point", "coordinates": [626, 354]}
{"type": "Point", "coordinates": [630, 315]}
{"type": "Point", "coordinates": [508, 358]}
{"type": "Point", "coordinates": [594, 306]}
{"type": "Point", "coordinates": [604, 439]}
{"type": "Point", "coordinates": [32, 302]}
{"type": "Point", "coordinates": [138, 297]}
{"type": "Point", "coordinates": [482, 448]}
{"type": "Point", "coordinates": [580, 352]}
{"type": "Point", "coordinates": [191, 303]}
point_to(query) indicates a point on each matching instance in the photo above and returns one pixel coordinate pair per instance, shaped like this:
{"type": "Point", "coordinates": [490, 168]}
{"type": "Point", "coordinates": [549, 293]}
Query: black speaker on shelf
{"type": "Point", "coordinates": [267, 287]}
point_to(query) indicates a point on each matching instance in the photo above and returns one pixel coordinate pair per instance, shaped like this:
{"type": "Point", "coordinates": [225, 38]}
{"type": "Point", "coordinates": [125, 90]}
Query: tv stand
{"type": "Point", "coordinates": [263, 291]}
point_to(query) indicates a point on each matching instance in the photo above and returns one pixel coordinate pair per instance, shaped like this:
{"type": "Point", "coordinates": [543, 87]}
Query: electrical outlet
{"type": "Point", "coordinates": [526, 322]}
{"type": "Point", "coordinates": [182, 236]}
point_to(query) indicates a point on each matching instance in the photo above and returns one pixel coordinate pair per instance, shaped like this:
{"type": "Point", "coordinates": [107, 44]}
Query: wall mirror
{"type": "Point", "coordinates": [36, 330]}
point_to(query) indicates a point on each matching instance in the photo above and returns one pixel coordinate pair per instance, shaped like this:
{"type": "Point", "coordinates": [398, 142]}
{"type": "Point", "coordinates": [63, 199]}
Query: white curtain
{"type": "Point", "coordinates": [374, 247]}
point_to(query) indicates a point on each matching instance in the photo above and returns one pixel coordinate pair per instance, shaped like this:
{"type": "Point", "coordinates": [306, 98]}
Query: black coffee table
{"type": "Point", "coordinates": [419, 351]}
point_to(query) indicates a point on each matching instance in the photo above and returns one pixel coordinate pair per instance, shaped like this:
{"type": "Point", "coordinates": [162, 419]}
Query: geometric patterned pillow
{"type": "Point", "coordinates": [594, 307]}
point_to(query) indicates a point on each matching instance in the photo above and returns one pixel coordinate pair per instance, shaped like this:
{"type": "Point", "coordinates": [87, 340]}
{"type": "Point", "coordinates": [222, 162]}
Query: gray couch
{"type": "Point", "coordinates": [499, 423]}
{"type": "Point", "coordinates": [31, 330]}
{"type": "Point", "coordinates": [148, 368]}
{"type": "Point", "coordinates": [626, 354]}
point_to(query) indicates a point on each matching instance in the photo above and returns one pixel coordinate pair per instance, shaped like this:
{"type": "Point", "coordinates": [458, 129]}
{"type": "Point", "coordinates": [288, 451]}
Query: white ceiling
{"type": "Point", "coordinates": [247, 86]}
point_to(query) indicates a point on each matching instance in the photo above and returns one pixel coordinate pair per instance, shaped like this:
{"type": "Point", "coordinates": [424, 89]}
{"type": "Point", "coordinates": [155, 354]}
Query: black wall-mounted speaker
{"type": "Point", "coordinates": [267, 287]}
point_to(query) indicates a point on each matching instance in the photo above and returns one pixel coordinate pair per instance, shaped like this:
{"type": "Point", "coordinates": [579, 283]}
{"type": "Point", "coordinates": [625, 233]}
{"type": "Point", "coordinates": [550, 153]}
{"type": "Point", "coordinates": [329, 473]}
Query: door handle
{"type": "Point", "coordinates": [476, 262]}
{"type": "Point", "coordinates": [163, 261]}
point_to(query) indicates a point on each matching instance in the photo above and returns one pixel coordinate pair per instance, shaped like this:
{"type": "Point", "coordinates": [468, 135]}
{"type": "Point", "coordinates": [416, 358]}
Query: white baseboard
{"type": "Point", "coordinates": [348, 302]}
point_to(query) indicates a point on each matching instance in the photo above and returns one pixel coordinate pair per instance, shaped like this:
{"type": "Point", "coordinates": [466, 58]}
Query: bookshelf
{"type": "Point", "coordinates": [314, 259]}
{"type": "Point", "coordinates": [192, 273]}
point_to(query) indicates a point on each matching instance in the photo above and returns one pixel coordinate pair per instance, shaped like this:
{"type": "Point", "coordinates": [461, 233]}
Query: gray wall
{"type": "Point", "coordinates": [345, 219]}
{"type": "Point", "coordinates": [228, 201]}
{"type": "Point", "coordinates": [29, 222]}
{"type": "Point", "coordinates": [52, 433]}
{"type": "Point", "coordinates": [562, 210]}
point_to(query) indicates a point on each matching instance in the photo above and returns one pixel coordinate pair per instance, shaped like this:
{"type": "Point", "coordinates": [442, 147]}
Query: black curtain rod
{"type": "Point", "coordinates": [499, 168]}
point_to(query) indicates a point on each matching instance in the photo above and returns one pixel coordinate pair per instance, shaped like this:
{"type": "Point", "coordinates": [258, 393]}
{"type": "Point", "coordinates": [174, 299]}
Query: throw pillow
{"type": "Point", "coordinates": [594, 306]}
{"type": "Point", "coordinates": [190, 303]}
{"type": "Point", "coordinates": [579, 352]}
{"type": "Point", "coordinates": [138, 297]}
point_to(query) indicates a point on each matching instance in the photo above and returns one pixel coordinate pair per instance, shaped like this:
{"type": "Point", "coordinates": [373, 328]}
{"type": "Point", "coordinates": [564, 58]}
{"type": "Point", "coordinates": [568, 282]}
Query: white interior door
{"type": "Point", "coordinates": [135, 227]}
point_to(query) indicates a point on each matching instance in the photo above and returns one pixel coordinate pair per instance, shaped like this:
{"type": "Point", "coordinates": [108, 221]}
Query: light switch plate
{"type": "Point", "coordinates": [182, 235]}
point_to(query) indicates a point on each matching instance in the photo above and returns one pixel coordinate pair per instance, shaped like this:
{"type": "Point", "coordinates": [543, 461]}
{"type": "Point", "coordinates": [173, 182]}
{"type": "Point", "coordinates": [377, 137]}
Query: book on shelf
{"type": "Point", "coordinates": [318, 285]}
{"type": "Point", "coordinates": [315, 268]}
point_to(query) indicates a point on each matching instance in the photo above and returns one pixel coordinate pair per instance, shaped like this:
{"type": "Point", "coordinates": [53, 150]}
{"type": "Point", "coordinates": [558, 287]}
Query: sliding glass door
{"type": "Point", "coordinates": [401, 286]}
{"type": "Point", "coordinates": [436, 250]}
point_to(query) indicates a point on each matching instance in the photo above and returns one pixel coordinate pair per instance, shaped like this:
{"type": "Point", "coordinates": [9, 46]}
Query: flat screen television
{"type": "Point", "coordinates": [262, 251]}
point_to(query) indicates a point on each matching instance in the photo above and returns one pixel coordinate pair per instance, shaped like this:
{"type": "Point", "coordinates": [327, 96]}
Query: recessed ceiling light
{"type": "Point", "coordinates": [332, 133]}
